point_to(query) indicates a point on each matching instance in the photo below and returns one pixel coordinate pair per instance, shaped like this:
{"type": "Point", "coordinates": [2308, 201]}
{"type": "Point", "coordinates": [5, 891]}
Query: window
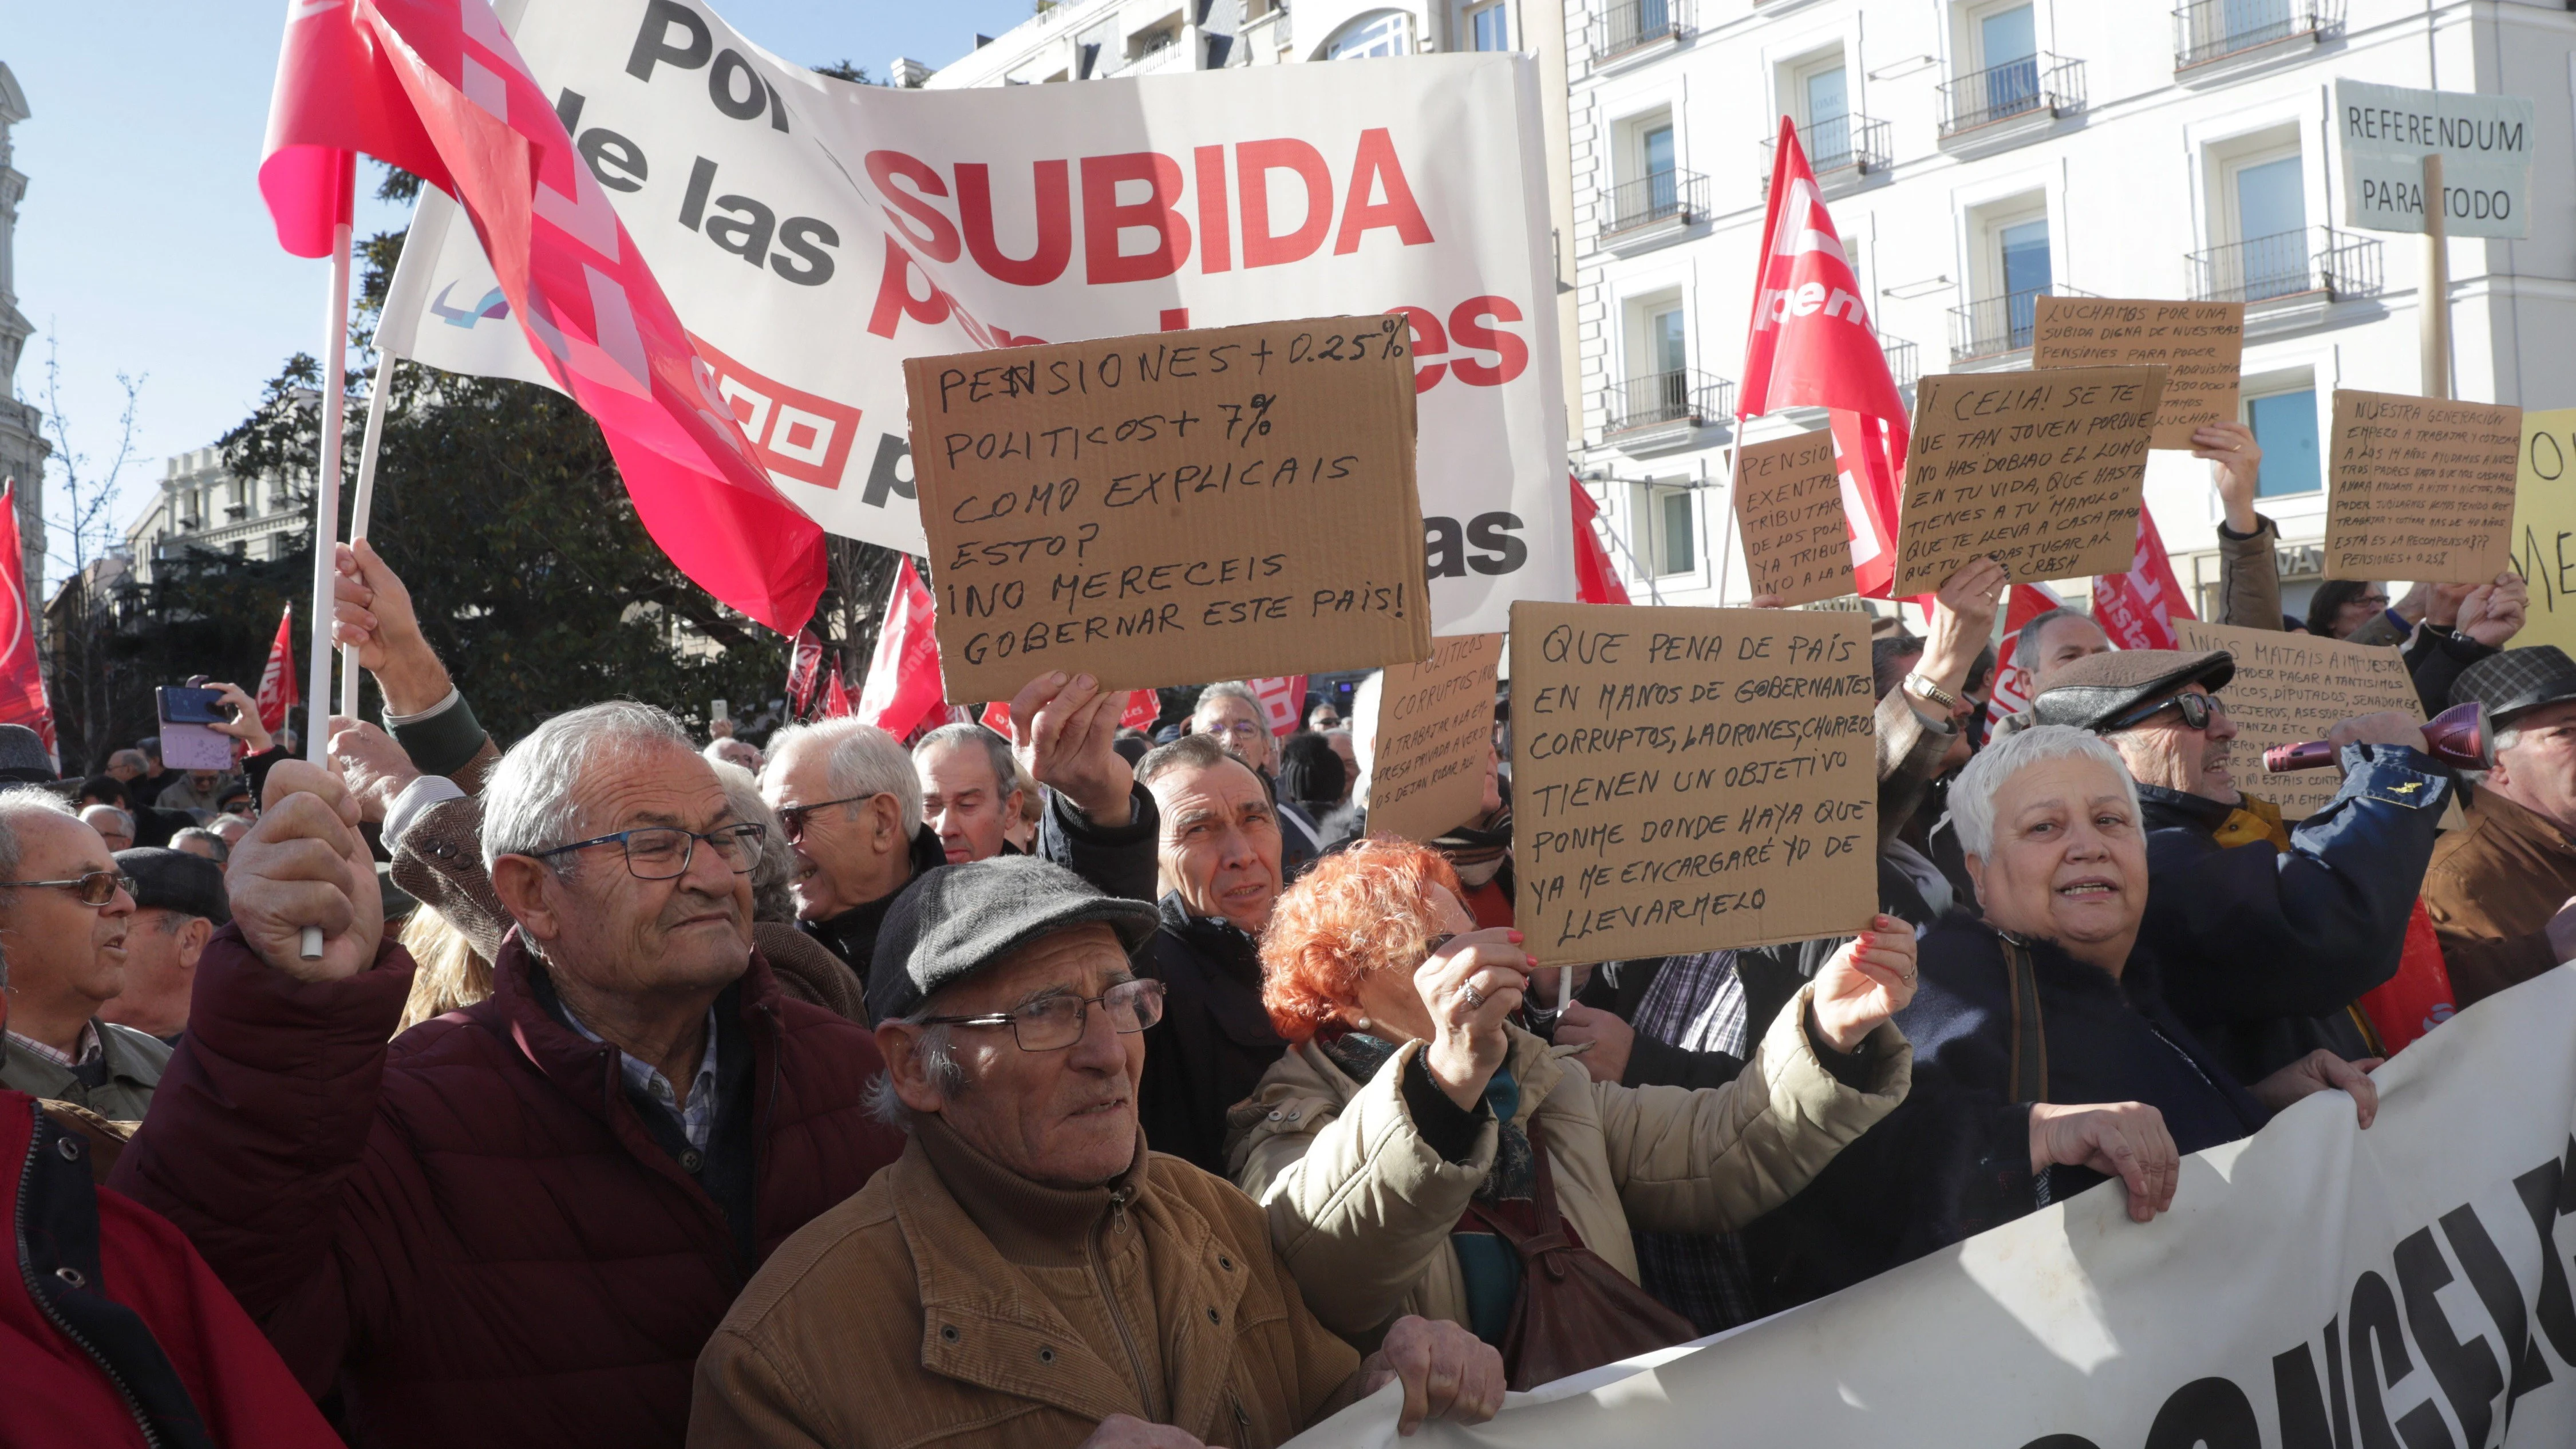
{"type": "Point", "coordinates": [2285, 424]}
{"type": "Point", "coordinates": [1389, 32]}
{"type": "Point", "coordinates": [1489, 27]}
{"type": "Point", "coordinates": [2008, 53]}
{"type": "Point", "coordinates": [2271, 215]}
{"type": "Point", "coordinates": [2022, 264]}
{"type": "Point", "coordinates": [1655, 153]}
{"type": "Point", "coordinates": [1824, 93]}
{"type": "Point", "coordinates": [1666, 536]}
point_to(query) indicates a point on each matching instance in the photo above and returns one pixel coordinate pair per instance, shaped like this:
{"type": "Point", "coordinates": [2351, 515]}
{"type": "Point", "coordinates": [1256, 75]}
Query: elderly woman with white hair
{"type": "Point", "coordinates": [2045, 1057]}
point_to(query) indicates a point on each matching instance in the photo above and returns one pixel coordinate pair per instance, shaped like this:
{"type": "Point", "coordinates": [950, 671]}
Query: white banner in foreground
{"type": "Point", "coordinates": [814, 233]}
{"type": "Point", "coordinates": [2314, 1287]}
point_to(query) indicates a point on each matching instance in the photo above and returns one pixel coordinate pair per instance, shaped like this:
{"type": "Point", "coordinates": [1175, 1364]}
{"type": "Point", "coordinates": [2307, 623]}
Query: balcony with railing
{"type": "Point", "coordinates": [1999, 326]}
{"type": "Point", "coordinates": [1841, 150]}
{"type": "Point", "coordinates": [1652, 209]}
{"type": "Point", "coordinates": [1903, 362]}
{"type": "Point", "coordinates": [1659, 411]}
{"type": "Point", "coordinates": [2316, 265]}
{"type": "Point", "coordinates": [2207, 32]}
{"type": "Point", "coordinates": [2031, 92]}
{"type": "Point", "coordinates": [1628, 30]}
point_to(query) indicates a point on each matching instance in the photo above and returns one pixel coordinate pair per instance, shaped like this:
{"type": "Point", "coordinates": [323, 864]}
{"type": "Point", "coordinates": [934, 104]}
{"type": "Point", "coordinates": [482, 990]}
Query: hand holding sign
{"type": "Point", "coordinates": [1869, 980]}
{"type": "Point", "coordinates": [1065, 733]}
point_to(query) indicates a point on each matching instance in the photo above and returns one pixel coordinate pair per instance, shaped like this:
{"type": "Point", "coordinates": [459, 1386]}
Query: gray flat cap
{"type": "Point", "coordinates": [958, 919]}
{"type": "Point", "coordinates": [2092, 693]}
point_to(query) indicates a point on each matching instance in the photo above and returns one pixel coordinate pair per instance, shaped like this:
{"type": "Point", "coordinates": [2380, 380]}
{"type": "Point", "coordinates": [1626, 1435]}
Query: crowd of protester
{"type": "Point", "coordinates": [1096, 1085]}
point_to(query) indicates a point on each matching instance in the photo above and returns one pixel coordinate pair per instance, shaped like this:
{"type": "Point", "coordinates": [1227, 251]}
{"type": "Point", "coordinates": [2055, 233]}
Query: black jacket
{"type": "Point", "coordinates": [1214, 1041]}
{"type": "Point", "coordinates": [852, 935]}
{"type": "Point", "coordinates": [2263, 949]}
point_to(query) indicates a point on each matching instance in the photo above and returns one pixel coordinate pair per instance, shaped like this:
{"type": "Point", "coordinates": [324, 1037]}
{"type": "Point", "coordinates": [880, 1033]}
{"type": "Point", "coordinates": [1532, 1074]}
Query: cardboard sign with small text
{"type": "Point", "coordinates": [2422, 488]}
{"type": "Point", "coordinates": [2544, 527]}
{"type": "Point", "coordinates": [1172, 508]}
{"type": "Point", "coordinates": [1789, 511]}
{"type": "Point", "coordinates": [1435, 725]}
{"type": "Point", "coordinates": [2042, 471]}
{"type": "Point", "coordinates": [2202, 343]}
{"type": "Point", "coordinates": [1689, 779]}
{"type": "Point", "coordinates": [2294, 687]}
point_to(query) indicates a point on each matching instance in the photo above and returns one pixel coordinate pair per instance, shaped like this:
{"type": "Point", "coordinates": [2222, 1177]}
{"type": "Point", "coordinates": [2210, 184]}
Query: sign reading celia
{"type": "Point", "coordinates": [1171, 508]}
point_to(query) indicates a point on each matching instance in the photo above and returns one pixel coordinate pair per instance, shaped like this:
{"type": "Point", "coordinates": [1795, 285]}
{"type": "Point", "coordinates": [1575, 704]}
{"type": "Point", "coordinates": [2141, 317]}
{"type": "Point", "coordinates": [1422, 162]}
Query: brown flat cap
{"type": "Point", "coordinates": [2091, 692]}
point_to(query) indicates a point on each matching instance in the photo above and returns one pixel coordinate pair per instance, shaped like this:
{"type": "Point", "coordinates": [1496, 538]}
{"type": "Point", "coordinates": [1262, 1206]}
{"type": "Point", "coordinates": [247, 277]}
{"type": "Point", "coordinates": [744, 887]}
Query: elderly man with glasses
{"type": "Point", "coordinates": [2266, 933]}
{"type": "Point", "coordinates": [64, 912]}
{"type": "Point", "coordinates": [516, 1223]}
{"type": "Point", "coordinates": [1029, 1273]}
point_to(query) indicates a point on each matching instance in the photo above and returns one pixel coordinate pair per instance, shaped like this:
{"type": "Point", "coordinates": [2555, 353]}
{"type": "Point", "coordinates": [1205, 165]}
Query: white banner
{"type": "Point", "coordinates": [2314, 1287]}
{"type": "Point", "coordinates": [2486, 144]}
{"type": "Point", "coordinates": [813, 233]}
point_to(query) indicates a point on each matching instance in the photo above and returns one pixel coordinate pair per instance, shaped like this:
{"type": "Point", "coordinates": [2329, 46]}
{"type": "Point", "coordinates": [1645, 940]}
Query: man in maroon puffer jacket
{"type": "Point", "coordinates": [519, 1223]}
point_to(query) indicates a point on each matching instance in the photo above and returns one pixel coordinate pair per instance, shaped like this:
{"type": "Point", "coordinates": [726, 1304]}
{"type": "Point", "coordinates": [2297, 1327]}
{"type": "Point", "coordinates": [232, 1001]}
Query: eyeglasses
{"type": "Point", "coordinates": [2197, 711]}
{"type": "Point", "coordinates": [1056, 1022]}
{"type": "Point", "coordinates": [1242, 729]}
{"type": "Point", "coordinates": [95, 889]}
{"type": "Point", "coordinates": [792, 819]}
{"type": "Point", "coordinates": [663, 852]}
{"type": "Point", "coordinates": [2375, 601]}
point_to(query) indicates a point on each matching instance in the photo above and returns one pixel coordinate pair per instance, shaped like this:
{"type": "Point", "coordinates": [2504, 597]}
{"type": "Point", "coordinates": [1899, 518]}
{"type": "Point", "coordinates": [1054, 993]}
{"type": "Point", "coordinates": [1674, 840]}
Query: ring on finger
{"type": "Point", "coordinates": [1475, 999]}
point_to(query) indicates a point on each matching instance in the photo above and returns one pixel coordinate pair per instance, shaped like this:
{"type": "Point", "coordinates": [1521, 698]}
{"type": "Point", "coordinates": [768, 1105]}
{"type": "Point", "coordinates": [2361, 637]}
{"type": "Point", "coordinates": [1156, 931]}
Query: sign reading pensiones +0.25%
{"type": "Point", "coordinates": [1690, 779]}
{"type": "Point", "coordinates": [1224, 503]}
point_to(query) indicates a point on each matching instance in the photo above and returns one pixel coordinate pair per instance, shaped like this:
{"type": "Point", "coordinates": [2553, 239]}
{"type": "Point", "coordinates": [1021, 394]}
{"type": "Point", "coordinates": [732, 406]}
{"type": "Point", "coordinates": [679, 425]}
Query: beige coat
{"type": "Point", "coordinates": [1361, 1207]}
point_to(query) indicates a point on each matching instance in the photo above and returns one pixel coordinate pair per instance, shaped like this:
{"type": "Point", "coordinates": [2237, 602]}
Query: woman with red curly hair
{"type": "Point", "coordinates": [1413, 1145]}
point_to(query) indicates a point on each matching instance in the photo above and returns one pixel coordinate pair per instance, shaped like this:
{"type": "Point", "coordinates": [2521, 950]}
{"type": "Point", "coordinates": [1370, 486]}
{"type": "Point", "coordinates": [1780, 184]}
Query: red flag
{"type": "Point", "coordinates": [1143, 708]}
{"type": "Point", "coordinates": [2012, 687]}
{"type": "Point", "coordinates": [1811, 345]}
{"type": "Point", "coordinates": [277, 691]}
{"type": "Point", "coordinates": [22, 675]}
{"type": "Point", "coordinates": [1595, 581]}
{"type": "Point", "coordinates": [903, 678]}
{"type": "Point", "coordinates": [1283, 699]}
{"type": "Point", "coordinates": [2138, 608]}
{"type": "Point", "coordinates": [436, 87]}
{"type": "Point", "coordinates": [804, 672]}
{"type": "Point", "coordinates": [836, 700]}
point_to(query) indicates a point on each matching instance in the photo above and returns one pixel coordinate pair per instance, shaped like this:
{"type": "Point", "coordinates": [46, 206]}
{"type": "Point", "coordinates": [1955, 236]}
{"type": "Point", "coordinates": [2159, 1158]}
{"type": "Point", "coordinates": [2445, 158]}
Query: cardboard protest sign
{"type": "Point", "coordinates": [1435, 726]}
{"type": "Point", "coordinates": [2200, 344]}
{"type": "Point", "coordinates": [2544, 526]}
{"type": "Point", "coordinates": [2421, 488]}
{"type": "Point", "coordinates": [1177, 507]}
{"type": "Point", "coordinates": [1789, 511]}
{"type": "Point", "coordinates": [1688, 779]}
{"type": "Point", "coordinates": [2043, 471]}
{"type": "Point", "coordinates": [2294, 687]}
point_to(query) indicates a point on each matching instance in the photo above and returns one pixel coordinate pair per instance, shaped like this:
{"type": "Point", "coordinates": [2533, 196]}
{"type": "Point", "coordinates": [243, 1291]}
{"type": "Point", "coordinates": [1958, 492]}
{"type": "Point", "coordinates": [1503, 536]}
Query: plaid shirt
{"type": "Point", "coordinates": [88, 1051]}
{"type": "Point", "coordinates": [698, 1119]}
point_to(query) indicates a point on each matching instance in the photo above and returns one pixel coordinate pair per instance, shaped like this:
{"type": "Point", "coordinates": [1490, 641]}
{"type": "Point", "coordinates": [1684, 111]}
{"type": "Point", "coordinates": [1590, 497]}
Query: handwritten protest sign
{"type": "Point", "coordinates": [1435, 729]}
{"type": "Point", "coordinates": [1688, 779]}
{"type": "Point", "coordinates": [2544, 526]}
{"type": "Point", "coordinates": [2294, 687]}
{"type": "Point", "coordinates": [2044, 471]}
{"type": "Point", "coordinates": [1789, 511]}
{"type": "Point", "coordinates": [2422, 489]}
{"type": "Point", "coordinates": [2202, 344]}
{"type": "Point", "coordinates": [1171, 508]}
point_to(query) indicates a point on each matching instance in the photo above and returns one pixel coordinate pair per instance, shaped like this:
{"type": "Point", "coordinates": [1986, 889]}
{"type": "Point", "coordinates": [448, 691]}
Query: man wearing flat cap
{"type": "Point", "coordinates": [1028, 1273]}
{"type": "Point", "coordinates": [179, 904]}
{"type": "Point", "coordinates": [2266, 934]}
{"type": "Point", "coordinates": [2502, 892]}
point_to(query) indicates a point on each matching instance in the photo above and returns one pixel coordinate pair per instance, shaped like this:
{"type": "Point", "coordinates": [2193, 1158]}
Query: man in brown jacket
{"type": "Point", "coordinates": [1027, 1273]}
{"type": "Point", "coordinates": [2502, 892]}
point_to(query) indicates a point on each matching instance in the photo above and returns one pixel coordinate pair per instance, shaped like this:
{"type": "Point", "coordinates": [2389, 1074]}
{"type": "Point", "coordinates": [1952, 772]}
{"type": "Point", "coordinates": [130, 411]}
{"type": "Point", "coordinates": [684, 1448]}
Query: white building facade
{"type": "Point", "coordinates": [23, 449]}
{"type": "Point", "coordinates": [1977, 154]}
{"type": "Point", "coordinates": [202, 506]}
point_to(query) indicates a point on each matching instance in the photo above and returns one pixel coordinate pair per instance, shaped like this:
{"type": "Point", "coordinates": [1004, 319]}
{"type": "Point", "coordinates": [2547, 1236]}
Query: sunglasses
{"type": "Point", "coordinates": [97, 888]}
{"type": "Point", "coordinates": [2197, 710]}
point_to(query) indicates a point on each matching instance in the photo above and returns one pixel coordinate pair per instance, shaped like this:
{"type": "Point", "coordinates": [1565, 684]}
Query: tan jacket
{"type": "Point", "coordinates": [1910, 750]}
{"type": "Point", "coordinates": [950, 1302]}
{"type": "Point", "coordinates": [2249, 577]}
{"type": "Point", "coordinates": [1362, 1207]}
{"type": "Point", "coordinates": [2490, 893]}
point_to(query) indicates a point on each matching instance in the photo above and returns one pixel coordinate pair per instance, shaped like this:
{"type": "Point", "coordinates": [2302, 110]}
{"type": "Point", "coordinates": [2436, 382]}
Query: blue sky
{"type": "Point", "coordinates": [142, 246]}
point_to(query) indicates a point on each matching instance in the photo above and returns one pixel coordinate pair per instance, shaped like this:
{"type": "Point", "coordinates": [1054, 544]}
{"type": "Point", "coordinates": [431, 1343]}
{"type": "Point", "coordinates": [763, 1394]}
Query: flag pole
{"type": "Point", "coordinates": [363, 504]}
{"type": "Point", "coordinates": [326, 523]}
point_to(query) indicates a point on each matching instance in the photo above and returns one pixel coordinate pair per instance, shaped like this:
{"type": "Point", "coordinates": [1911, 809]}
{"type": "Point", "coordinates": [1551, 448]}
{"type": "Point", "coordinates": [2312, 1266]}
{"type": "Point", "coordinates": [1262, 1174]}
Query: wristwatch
{"type": "Point", "coordinates": [1930, 693]}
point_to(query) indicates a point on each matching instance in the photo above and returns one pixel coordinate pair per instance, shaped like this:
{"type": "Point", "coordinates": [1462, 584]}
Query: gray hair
{"type": "Point", "coordinates": [2026, 645]}
{"type": "Point", "coordinates": [528, 804]}
{"type": "Point", "coordinates": [997, 752]}
{"type": "Point", "coordinates": [773, 876]}
{"type": "Point", "coordinates": [1972, 795]}
{"type": "Point", "coordinates": [133, 758]}
{"type": "Point", "coordinates": [1189, 752]}
{"type": "Point", "coordinates": [18, 805]}
{"type": "Point", "coordinates": [937, 1053]}
{"type": "Point", "coordinates": [1232, 689]}
{"type": "Point", "coordinates": [861, 760]}
{"type": "Point", "coordinates": [125, 822]}
{"type": "Point", "coordinates": [222, 848]}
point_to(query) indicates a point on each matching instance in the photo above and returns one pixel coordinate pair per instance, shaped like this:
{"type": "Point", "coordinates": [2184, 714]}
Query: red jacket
{"type": "Point", "coordinates": [112, 1323]}
{"type": "Point", "coordinates": [472, 1230]}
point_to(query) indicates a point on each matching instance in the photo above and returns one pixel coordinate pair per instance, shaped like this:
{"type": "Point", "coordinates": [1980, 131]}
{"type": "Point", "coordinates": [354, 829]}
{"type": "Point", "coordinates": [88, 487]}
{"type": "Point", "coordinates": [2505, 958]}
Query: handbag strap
{"type": "Point", "coordinates": [2029, 1033]}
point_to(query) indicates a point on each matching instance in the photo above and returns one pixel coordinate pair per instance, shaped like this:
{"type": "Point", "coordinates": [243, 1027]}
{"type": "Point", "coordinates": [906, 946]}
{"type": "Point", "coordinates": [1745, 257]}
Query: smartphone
{"type": "Point", "coordinates": [187, 740]}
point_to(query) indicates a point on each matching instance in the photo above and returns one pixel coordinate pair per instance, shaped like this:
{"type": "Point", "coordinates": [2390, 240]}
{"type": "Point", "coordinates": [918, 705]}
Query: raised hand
{"type": "Point", "coordinates": [1963, 622]}
{"type": "Point", "coordinates": [1470, 986]}
{"type": "Point", "coordinates": [1065, 733]}
{"type": "Point", "coordinates": [244, 725]}
{"type": "Point", "coordinates": [305, 864]}
{"type": "Point", "coordinates": [373, 613]}
{"type": "Point", "coordinates": [2239, 472]}
{"type": "Point", "coordinates": [374, 768]}
{"type": "Point", "coordinates": [2493, 613]}
{"type": "Point", "coordinates": [1869, 980]}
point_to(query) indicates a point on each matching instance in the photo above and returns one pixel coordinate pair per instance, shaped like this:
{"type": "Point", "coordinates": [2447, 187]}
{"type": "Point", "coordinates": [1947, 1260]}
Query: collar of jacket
{"type": "Point", "coordinates": [49, 1078]}
{"type": "Point", "coordinates": [852, 934]}
{"type": "Point", "coordinates": [2492, 812]}
{"type": "Point", "coordinates": [2165, 809]}
{"type": "Point", "coordinates": [1214, 937]}
{"type": "Point", "coordinates": [1031, 1223]}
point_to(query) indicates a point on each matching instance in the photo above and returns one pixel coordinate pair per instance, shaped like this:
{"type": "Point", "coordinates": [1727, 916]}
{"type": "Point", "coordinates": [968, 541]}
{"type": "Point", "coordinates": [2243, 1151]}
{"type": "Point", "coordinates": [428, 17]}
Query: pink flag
{"type": "Point", "coordinates": [22, 675]}
{"type": "Point", "coordinates": [1283, 699]}
{"type": "Point", "coordinates": [277, 692]}
{"type": "Point", "coordinates": [2138, 608]}
{"type": "Point", "coordinates": [836, 700]}
{"type": "Point", "coordinates": [2012, 689]}
{"type": "Point", "coordinates": [1143, 708]}
{"type": "Point", "coordinates": [903, 678]}
{"type": "Point", "coordinates": [436, 87]}
{"type": "Point", "coordinates": [1595, 581]}
{"type": "Point", "coordinates": [1811, 345]}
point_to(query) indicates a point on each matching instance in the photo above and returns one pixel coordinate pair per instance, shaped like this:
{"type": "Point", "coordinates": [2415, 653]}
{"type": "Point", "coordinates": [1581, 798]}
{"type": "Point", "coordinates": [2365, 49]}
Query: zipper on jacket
{"type": "Point", "coordinates": [27, 1275]}
{"type": "Point", "coordinates": [1145, 1396]}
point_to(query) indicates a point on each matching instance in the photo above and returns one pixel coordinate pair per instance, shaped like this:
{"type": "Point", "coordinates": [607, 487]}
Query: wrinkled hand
{"type": "Point", "coordinates": [2414, 604]}
{"type": "Point", "coordinates": [244, 725]}
{"type": "Point", "coordinates": [2319, 1071]}
{"type": "Point", "coordinates": [1447, 1373]}
{"type": "Point", "coordinates": [2388, 727]}
{"type": "Point", "coordinates": [373, 614]}
{"type": "Point", "coordinates": [1065, 733]}
{"type": "Point", "coordinates": [1869, 980]}
{"type": "Point", "coordinates": [1962, 622]}
{"type": "Point", "coordinates": [2493, 613]}
{"type": "Point", "coordinates": [2442, 602]}
{"type": "Point", "coordinates": [2561, 931]}
{"type": "Point", "coordinates": [1611, 1038]}
{"type": "Point", "coordinates": [305, 864]}
{"type": "Point", "coordinates": [374, 768]}
{"type": "Point", "coordinates": [2126, 1140]}
{"type": "Point", "coordinates": [1470, 986]}
{"type": "Point", "coordinates": [2239, 469]}
{"type": "Point", "coordinates": [1126, 1431]}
